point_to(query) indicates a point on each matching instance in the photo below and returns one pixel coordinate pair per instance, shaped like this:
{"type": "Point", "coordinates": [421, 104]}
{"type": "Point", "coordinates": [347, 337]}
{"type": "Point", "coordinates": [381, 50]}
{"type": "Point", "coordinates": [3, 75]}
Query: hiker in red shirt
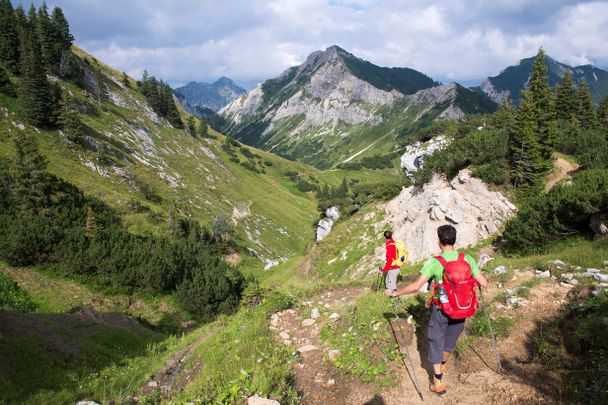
{"type": "Point", "coordinates": [391, 271]}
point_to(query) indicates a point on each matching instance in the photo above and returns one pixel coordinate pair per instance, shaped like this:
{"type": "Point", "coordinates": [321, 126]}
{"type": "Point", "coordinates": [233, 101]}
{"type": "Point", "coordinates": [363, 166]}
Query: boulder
{"type": "Point", "coordinates": [499, 270]}
{"type": "Point", "coordinates": [256, 400]}
{"type": "Point", "coordinates": [307, 348]}
{"type": "Point", "coordinates": [308, 322]}
{"type": "Point", "coordinates": [544, 274]}
{"type": "Point", "coordinates": [315, 313]}
{"type": "Point", "coordinates": [602, 278]}
{"type": "Point", "coordinates": [325, 225]}
{"type": "Point", "coordinates": [333, 355]}
{"type": "Point", "coordinates": [335, 316]}
{"type": "Point", "coordinates": [284, 335]}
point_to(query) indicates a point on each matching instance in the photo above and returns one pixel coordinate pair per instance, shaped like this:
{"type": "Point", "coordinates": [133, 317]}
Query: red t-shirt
{"type": "Point", "coordinates": [391, 256]}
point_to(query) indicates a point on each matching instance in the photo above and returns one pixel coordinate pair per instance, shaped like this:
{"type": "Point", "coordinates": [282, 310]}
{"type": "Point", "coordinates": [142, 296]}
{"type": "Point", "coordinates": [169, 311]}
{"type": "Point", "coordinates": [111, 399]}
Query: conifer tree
{"type": "Point", "coordinates": [9, 39]}
{"type": "Point", "coordinates": [91, 224]}
{"type": "Point", "coordinates": [6, 86]}
{"type": "Point", "coordinates": [171, 111]}
{"type": "Point", "coordinates": [44, 31]}
{"type": "Point", "coordinates": [69, 120]}
{"type": "Point", "coordinates": [125, 80]}
{"type": "Point", "coordinates": [191, 126]}
{"type": "Point", "coordinates": [28, 174]}
{"type": "Point", "coordinates": [35, 91]}
{"type": "Point", "coordinates": [342, 191]}
{"type": "Point", "coordinates": [203, 129]}
{"type": "Point", "coordinates": [62, 39]}
{"type": "Point", "coordinates": [541, 103]}
{"type": "Point", "coordinates": [565, 101]}
{"type": "Point", "coordinates": [584, 107]}
{"type": "Point", "coordinates": [525, 156]}
{"type": "Point", "coordinates": [602, 114]}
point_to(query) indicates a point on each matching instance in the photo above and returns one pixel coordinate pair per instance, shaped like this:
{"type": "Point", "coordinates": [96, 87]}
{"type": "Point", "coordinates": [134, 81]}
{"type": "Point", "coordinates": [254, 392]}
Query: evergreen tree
{"type": "Point", "coordinates": [565, 101]}
{"type": "Point", "coordinates": [504, 119]}
{"type": "Point", "coordinates": [61, 38]}
{"type": "Point", "coordinates": [6, 86]}
{"type": "Point", "coordinates": [35, 91]}
{"type": "Point", "coordinates": [44, 30]}
{"type": "Point", "coordinates": [602, 114]}
{"type": "Point", "coordinates": [69, 120]}
{"type": "Point", "coordinates": [9, 39]}
{"type": "Point", "coordinates": [342, 191]}
{"type": "Point", "coordinates": [584, 107]}
{"type": "Point", "coordinates": [28, 174]}
{"type": "Point", "coordinates": [203, 129]}
{"type": "Point", "coordinates": [125, 80]}
{"type": "Point", "coordinates": [541, 102]}
{"type": "Point", "coordinates": [191, 126]}
{"type": "Point", "coordinates": [91, 224]}
{"type": "Point", "coordinates": [525, 152]}
{"type": "Point", "coordinates": [171, 111]}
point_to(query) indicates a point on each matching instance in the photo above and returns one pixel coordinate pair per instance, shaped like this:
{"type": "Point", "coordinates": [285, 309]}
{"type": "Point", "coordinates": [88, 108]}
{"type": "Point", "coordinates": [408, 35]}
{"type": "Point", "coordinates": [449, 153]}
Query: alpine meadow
{"type": "Point", "coordinates": [199, 207]}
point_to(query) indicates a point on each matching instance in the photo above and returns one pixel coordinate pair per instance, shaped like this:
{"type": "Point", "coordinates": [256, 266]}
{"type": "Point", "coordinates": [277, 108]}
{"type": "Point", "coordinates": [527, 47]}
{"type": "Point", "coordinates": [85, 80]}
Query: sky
{"type": "Point", "coordinates": [253, 40]}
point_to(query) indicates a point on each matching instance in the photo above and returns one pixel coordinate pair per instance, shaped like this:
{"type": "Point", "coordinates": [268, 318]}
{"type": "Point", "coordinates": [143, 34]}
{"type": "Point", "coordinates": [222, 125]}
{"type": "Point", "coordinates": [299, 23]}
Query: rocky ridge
{"type": "Point", "coordinates": [466, 202]}
{"type": "Point", "coordinates": [335, 100]}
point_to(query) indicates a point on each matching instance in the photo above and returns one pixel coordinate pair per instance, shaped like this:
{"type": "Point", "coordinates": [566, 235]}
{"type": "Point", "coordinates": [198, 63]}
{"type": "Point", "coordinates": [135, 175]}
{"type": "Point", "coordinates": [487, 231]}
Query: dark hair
{"type": "Point", "coordinates": [447, 235]}
{"type": "Point", "coordinates": [388, 234]}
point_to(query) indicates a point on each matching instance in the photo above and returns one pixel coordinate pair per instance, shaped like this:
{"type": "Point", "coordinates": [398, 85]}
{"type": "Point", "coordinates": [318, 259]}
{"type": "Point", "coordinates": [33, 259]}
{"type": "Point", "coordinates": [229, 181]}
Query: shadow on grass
{"type": "Point", "coordinates": [45, 353]}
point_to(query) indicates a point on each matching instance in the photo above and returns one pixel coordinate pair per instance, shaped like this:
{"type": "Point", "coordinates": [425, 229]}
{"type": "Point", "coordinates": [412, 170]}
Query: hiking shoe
{"type": "Point", "coordinates": [438, 388]}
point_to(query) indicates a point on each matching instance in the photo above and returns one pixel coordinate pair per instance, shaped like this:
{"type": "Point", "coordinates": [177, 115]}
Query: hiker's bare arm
{"type": "Point", "coordinates": [481, 280]}
{"type": "Point", "coordinates": [413, 287]}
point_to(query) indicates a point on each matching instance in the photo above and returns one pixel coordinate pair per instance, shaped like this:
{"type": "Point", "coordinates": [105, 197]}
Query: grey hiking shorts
{"type": "Point", "coordinates": [391, 279]}
{"type": "Point", "coordinates": [443, 334]}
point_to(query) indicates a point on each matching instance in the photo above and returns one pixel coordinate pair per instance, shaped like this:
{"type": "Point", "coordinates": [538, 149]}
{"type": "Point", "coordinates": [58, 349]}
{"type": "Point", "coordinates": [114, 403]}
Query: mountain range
{"type": "Point", "coordinates": [335, 106]}
{"type": "Point", "coordinates": [196, 97]}
{"type": "Point", "coordinates": [513, 79]}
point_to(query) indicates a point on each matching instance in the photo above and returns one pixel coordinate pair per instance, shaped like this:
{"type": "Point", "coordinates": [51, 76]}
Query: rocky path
{"type": "Point", "coordinates": [473, 377]}
{"type": "Point", "coordinates": [173, 375]}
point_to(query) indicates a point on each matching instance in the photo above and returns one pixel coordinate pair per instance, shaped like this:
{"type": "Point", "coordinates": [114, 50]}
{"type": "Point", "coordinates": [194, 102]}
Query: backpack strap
{"type": "Point", "coordinates": [461, 257]}
{"type": "Point", "coordinates": [441, 260]}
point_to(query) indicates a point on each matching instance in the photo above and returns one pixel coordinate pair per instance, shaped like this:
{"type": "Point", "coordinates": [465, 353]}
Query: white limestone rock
{"type": "Point", "coordinates": [415, 214]}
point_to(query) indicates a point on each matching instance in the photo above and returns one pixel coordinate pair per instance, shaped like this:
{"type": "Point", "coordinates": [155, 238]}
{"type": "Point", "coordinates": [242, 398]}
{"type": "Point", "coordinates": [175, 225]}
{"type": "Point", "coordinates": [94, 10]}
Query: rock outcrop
{"type": "Point", "coordinates": [465, 202]}
{"type": "Point", "coordinates": [414, 154]}
{"type": "Point", "coordinates": [332, 214]}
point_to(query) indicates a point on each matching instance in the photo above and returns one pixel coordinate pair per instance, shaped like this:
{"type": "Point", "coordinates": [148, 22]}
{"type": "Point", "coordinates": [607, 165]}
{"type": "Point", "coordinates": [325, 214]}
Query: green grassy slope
{"type": "Point", "coordinates": [146, 170]}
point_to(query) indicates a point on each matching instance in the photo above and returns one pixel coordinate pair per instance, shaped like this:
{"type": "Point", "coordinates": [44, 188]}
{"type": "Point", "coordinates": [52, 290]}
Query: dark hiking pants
{"type": "Point", "coordinates": [442, 334]}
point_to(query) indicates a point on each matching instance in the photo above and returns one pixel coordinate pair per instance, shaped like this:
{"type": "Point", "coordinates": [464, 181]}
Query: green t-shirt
{"type": "Point", "coordinates": [432, 267]}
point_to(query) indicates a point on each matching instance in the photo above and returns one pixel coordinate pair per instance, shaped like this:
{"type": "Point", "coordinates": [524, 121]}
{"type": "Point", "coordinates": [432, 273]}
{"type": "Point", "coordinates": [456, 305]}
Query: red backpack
{"type": "Point", "coordinates": [459, 286]}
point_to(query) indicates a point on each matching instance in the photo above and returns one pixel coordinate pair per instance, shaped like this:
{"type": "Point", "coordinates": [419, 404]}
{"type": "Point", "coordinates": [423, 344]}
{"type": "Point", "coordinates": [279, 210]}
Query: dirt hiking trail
{"type": "Point", "coordinates": [472, 377]}
{"type": "Point", "coordinates": [562, 169]}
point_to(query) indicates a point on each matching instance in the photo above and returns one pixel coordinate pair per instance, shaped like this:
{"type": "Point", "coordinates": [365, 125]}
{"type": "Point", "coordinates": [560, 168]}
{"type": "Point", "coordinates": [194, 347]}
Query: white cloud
{"type": "Point", "coordinates": [252, 40]}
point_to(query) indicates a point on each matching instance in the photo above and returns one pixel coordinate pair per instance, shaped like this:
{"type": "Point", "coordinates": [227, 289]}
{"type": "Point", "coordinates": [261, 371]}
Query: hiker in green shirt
{"type": "Point", "coordinates": [443, 331]}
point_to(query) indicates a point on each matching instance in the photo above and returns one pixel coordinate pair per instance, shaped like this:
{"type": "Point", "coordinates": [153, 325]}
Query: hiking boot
{"type": "Point", "coordinates": [438, 388]}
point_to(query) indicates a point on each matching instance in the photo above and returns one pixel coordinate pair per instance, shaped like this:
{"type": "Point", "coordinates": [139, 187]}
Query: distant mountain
{"type": "Point", "coordinates": [513, 79]}
{"type": "Point", "coordinates": [335, 106]}
{"type": "Point", "coordinates": [196, 96]}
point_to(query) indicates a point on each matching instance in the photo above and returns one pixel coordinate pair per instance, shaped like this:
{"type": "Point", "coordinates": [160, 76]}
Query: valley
{"type": "Point", "coordinates": [209, 245]}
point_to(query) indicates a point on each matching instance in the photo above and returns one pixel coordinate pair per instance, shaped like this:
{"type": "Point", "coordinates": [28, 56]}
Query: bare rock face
{"type": "Point", "coordinates": [465, 202]}
{"type": "Point", "coordinates": [414, 154]}
{"type": "Point", "coordinates": [494, 95]}
{"type": "Point", "coordinates": [332, 214]}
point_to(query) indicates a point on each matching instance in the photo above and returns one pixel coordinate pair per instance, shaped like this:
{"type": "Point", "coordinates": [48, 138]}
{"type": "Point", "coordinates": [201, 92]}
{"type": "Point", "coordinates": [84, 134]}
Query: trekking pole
{"type": "Point", "coordinates": [379, 281]}
{"type": "Point", "coordinates": [412, 374]}
{"type": "Point", "coordinates": [481, 264]}
{"type": "Point", "coordinates": [494, 345]}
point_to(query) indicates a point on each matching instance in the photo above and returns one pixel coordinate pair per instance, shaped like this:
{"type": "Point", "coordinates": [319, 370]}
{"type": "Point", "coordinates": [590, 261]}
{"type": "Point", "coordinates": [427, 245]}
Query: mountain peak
{"type": "Point", "coordinates": [225, 81]}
